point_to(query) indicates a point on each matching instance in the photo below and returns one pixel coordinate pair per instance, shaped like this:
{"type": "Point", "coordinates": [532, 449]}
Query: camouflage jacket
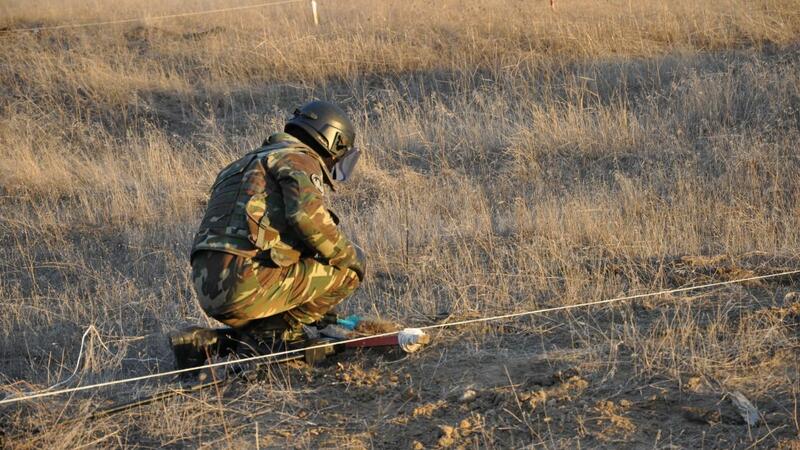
{"type": "Point", "coordinates": [269, 203]}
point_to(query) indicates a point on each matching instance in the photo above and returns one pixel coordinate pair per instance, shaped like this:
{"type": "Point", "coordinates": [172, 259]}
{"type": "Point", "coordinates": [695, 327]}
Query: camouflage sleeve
{"type": "Point", "coordinates": [300, 178]}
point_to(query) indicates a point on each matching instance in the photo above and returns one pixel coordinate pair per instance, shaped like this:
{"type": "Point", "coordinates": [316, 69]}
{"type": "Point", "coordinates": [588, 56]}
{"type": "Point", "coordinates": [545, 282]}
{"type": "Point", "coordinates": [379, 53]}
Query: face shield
{"type": "Point", "coordinates": [344, 167]}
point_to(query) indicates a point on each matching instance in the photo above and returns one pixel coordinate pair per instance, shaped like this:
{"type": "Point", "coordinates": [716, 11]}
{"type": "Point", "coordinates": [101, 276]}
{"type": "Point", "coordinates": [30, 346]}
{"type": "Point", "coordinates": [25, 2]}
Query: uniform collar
{"type": "Point", "coordinates": [286, 138]}
{"type": "Point", "coordinates": [277, 138]}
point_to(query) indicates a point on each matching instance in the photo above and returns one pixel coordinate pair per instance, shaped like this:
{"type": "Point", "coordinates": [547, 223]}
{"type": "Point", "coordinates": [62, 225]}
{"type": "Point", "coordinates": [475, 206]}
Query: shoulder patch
{"type": "Point", "coordinates": [317, 180]}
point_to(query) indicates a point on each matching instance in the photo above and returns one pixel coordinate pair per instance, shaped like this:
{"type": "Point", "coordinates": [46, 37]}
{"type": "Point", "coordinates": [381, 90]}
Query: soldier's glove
{"type": "Point", "coordinates": [360, 264]}
{"type": "Point", "coordinates": [352, 258]}
{"type": "Point", "coordinates": [334, 217]}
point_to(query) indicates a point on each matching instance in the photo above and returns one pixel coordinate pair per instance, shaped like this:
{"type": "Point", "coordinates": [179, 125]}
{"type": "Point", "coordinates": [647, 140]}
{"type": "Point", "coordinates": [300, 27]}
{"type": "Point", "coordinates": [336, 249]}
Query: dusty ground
{"type": "Point", "coordinates": [557, 380]}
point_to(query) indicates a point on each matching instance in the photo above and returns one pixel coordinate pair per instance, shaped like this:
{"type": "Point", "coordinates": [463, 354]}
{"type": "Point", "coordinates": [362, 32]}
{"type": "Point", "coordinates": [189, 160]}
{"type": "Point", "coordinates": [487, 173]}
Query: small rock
{"type": "Point", "coordinates": [468, 396]}
{"type": "Point", "coordinates": [748, 411]}
{"type": "Point", "coordinates": [417, 445]}
{"type": "Point", "coordinates": [791, 296]}
{"type": "Point", "coordinates": [464, 424]}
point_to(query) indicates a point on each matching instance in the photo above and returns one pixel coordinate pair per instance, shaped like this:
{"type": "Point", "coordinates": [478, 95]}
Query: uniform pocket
{"type": "Point", "coordinates": [262, 235]}
{"type": "Point", "coordinates": [284, 255]}
{"type": "Point", "coordinates": [265, 237]}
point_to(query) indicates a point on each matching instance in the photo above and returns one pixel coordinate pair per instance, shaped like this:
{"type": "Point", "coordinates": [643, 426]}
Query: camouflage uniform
{"type": "Point", "coordinates": [267, 245]}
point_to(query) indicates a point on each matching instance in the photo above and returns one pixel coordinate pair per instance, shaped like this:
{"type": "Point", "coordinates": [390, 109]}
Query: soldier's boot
{"type": "Point", "coordinates": [264, 336]}
{"type": "Point", "coordinates": [276, 334]}
{"type": "Point", "coordinates": [270, 330]}
{"type": "Point", "coordinates": [193, 346]}
{"type": "Point", "coordinates": [330, 318]}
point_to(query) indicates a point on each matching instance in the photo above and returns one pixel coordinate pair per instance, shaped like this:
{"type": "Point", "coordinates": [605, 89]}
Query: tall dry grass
{"type": "Point", "coordinates": [516, 157]}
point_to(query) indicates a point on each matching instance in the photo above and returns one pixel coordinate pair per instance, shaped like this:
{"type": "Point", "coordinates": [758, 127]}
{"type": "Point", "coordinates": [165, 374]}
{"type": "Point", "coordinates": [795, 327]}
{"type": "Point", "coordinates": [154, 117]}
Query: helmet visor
{"type": "Point", "coordinates": [346, 165]}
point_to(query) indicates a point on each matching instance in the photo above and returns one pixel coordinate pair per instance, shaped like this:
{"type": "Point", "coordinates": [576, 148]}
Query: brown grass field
{"type": "Point", "coordinates": [516, 158]}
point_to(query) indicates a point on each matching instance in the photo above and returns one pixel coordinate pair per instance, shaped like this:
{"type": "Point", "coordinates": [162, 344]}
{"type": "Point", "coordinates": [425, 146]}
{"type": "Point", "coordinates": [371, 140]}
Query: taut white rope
{"type": "Point", "coordinates": [50, 393]}
{"type": "Point", "coordinates": [611, 300]}
{"type": "Point", "coordinates": [138, 19]}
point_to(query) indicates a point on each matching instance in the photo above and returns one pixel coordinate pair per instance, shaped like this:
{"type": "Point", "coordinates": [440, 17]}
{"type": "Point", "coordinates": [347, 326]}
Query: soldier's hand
{"type": "Point", "coordinates": [359, 266]}
{"type": "Point", "coordinates": [334, 217]}
{"type": "Point", "coordinates": [352, 258]}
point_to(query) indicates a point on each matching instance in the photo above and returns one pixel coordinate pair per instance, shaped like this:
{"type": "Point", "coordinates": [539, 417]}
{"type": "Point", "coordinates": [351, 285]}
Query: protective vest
{"type": "Point", "coordinates": [245, 213]}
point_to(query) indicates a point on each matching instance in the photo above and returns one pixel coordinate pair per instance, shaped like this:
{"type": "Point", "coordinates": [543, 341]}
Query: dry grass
{"type": "Point", "coordinates": [516, 157]}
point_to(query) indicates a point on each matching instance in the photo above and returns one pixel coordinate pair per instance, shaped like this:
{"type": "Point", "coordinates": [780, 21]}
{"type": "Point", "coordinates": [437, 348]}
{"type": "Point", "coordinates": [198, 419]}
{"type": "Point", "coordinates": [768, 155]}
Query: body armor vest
{"type": "Point", "coordinates": [245, 214]}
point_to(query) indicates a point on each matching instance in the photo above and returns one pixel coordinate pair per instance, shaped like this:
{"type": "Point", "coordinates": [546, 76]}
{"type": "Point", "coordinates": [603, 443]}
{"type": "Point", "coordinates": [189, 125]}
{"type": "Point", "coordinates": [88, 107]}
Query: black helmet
{"type": "Point", "coordinates": [326, 125]}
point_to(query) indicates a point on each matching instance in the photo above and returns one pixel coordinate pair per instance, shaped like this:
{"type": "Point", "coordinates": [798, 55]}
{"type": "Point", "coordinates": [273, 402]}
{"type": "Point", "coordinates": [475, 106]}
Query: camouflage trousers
{"type": "Point", "coordinates": [236, 290]}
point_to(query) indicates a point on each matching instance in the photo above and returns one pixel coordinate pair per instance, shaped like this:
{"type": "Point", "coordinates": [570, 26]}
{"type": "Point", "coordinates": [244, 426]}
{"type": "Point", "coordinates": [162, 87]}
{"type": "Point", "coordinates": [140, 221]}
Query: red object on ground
{"type": "Point", "coordinates": [381, 341]}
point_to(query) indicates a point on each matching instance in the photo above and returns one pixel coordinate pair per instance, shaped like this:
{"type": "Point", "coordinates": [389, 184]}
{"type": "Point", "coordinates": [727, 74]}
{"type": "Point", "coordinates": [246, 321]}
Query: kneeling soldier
{"type": "Point", "coordinates": [269, 257]}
